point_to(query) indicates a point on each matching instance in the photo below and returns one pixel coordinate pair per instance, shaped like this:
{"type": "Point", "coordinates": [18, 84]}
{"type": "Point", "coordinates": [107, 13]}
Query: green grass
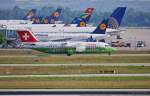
{"type": "Point", "coordinates": [76, 82]}
{"type": "Point", "coordinates": [101, 78]}
{"type": "Point", "coordinates": [75, 59]}
{"type": "Point", "coordinates": [74, 70]}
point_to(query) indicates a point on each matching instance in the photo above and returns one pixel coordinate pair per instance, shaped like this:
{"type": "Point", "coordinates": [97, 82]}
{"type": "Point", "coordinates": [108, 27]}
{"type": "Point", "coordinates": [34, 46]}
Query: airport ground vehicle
{"type": "Point", "coordinates": [120, 44]}
{"type": "Point", "coordinates": [141, 44]}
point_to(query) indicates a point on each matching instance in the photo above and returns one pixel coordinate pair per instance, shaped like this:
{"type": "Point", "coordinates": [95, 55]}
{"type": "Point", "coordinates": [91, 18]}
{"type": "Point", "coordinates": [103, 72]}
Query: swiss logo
{"type": "Point", "coordinates": [26, 36]}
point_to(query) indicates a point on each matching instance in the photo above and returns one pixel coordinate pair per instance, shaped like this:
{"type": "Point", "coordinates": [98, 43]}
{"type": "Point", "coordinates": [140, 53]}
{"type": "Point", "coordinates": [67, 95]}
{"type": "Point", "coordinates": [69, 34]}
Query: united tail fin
{"type": "Point", "coordinates": [116, 17]}
{"type": "Point", "coordinates": [84, 18]}
{"type": "Point", "coordinates": [26, 36]}
{"type": "Point", "coordinates": [101, 28]}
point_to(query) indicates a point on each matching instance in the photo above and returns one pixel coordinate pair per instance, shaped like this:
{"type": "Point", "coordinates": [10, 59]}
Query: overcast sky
{"type": "Point", "coordinates": [105, 5]}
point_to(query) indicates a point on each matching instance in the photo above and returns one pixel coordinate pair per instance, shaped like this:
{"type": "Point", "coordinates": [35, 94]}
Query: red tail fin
{"type": "Point", "coordinates": [26, 36]}
{"type": "Point", "coordinates": [89, 10]}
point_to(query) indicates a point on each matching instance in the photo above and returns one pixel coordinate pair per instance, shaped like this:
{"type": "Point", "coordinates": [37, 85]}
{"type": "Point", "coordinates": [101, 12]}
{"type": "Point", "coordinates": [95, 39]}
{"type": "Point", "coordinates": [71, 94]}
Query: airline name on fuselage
{"type": "Point", "coordinates": [41, 35]}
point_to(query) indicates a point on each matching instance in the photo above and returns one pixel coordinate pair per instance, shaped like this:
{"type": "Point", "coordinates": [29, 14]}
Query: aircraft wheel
{"type": "Point", "coordinates": [69, 52]}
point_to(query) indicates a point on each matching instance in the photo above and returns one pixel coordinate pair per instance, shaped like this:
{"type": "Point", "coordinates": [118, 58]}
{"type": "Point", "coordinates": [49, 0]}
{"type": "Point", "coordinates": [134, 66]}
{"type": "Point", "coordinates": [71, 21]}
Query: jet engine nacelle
{"type": "Point", "coordinates": [80, 48]}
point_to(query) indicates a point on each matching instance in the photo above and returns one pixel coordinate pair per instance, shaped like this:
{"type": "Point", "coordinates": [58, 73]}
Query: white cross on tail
{"type": "Point", "coordinates": [26, 36]}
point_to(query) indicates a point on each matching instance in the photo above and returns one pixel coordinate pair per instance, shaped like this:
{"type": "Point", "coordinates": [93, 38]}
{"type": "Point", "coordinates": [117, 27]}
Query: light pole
{"type": "Point", "coordinates": [5, 30]}
{"type": "Point", "coordinates": [135, 43]}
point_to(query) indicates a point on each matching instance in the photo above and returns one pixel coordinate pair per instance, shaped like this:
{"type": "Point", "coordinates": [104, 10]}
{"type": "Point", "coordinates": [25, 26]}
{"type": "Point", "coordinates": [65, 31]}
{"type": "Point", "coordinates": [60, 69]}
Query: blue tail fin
{"type": "Point", "coordinates": [79, 21]}
{"type": "Point", "coordinates": [84, 18]}
{"type": "Point", "coordinates": [37, 19]}
{"type": "Point", "coordinates": [30, 14]}
{"type": "Point", "coordinates": [55, 15]}
{"type": "Point", "coordinates": [116, 18]}
{"type": "Point", "coordinates": [101, 28]}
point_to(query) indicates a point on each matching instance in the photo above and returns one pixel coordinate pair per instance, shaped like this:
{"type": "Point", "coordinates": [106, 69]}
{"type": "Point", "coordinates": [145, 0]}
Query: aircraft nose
{"type": "Point", "coordinates": [113, 49]}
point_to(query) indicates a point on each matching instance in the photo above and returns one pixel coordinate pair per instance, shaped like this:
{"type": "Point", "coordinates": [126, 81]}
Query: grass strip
{"type": "Point", "coordinates": [40, 70]}
{"type": "Point", "coordinates": [75, 59]}
{"type": "Point", "coordinates": [76, 82]}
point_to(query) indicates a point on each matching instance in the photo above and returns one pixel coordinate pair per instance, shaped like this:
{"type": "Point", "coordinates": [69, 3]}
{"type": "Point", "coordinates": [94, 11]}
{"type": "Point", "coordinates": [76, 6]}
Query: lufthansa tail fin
{"type": "Point", "coordinates": [30, 14]}
{"type": "Point", "coordinates": [55, 15]}
{"type": "Point", "coordinates": [84, 18]}
{"type": "Point", "coordinates": [26, 36]}
{"type": "Point", "coordinates": [101, 28]}
{"type": "Point", "coordinates": [116, 17]}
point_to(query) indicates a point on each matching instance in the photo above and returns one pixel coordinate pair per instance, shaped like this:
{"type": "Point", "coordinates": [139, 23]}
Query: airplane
{"type": "Point", "coordinates": [30, 41]}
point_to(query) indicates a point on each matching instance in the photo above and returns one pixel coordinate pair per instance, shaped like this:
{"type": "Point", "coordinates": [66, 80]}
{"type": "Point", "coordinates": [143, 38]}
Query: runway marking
{"type": "Point", "coordinates": [4, 56]}
{"type": "Point", "coordinates": [67, 90]}
{"type": "Point", "coordinates": [76, 92]}
{"type": "Point", "coordinates": [56, 65]}
{"type": "Point", "coordinates": [74, 75]}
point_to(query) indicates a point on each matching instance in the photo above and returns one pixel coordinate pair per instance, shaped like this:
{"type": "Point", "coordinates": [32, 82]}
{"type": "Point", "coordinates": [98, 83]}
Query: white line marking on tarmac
{"type": "Point", "coordinates": [11, 56]}
{"type": "Point", "coordinates": [56, 65]}
{"type": "Point", "coordinates": [75, 90]}
{"type": "Point", "coordinates": [75, 75]}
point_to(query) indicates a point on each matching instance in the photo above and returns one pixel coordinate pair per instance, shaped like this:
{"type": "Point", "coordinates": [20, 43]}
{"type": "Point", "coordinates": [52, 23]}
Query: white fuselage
{"type": "Point", "coordinates": [74, 44]}
{"type": "Point", "coordinates": [15, 22]}
{"type": "Point", "coordinates": [46, 32]}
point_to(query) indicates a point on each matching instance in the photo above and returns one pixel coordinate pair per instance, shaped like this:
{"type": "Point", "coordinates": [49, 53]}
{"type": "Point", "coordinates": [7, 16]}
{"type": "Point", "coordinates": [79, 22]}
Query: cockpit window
{"type": "Point", "coordinates": [107, 46]}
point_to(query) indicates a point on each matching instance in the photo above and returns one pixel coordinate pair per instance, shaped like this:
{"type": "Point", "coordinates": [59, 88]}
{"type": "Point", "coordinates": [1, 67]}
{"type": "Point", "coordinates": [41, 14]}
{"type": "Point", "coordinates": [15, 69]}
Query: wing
{"type": "Point", "coordinates": [64, 39]}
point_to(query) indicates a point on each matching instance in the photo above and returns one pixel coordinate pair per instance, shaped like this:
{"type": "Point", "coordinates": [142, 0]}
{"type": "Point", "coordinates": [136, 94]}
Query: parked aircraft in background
{"type": "Point", "coordinates": [71, 33]}
{"type": "Point", "coordinates": [31, 18]}
{"type": "Point", "coordinates": [46, 32]}
{"type": "Point", "coordinates": [114, 22]}
{"type": "Point", "coordinates": [54, 17]}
